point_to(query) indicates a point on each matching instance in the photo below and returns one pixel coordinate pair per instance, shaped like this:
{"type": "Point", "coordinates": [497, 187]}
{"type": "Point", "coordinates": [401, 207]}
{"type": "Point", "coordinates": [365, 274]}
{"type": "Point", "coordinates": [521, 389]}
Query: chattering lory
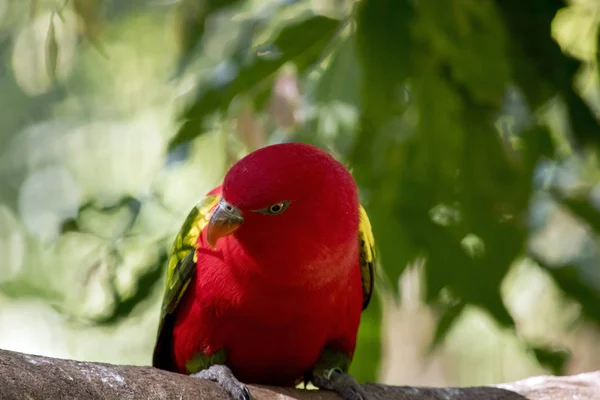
{"type": "Point", "coordinates": [268, 276]}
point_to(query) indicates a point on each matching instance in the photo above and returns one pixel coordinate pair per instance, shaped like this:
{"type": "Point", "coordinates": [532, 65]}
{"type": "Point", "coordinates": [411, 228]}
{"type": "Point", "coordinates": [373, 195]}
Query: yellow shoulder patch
{"type": "Point", "coordinates": [367, 255]}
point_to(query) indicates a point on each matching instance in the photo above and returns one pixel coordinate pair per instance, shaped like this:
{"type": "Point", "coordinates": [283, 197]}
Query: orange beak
{"type": "Point", "coordinates": [224, 220]}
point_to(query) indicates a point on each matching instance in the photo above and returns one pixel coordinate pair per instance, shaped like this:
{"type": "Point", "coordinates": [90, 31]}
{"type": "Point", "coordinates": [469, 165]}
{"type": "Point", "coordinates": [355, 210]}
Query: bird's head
{"type": "Point", "coordinates": [288, 197]}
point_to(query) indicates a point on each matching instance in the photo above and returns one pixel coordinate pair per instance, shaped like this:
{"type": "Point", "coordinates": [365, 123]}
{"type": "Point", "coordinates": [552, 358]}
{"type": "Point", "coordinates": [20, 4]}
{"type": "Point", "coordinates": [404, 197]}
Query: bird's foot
{"type": "Point", "coordinates": [342, 383]}
{"type": "Point", "coordinates": [225, 378]}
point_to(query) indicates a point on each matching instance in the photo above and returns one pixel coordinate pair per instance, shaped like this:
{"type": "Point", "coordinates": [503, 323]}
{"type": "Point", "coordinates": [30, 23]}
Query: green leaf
{"type": "Point", "coordinates": [90, 16]}
{"type": "Point", "coordinates": [438, 146]}
{"type": "Point", "coordinates": [584, 123]}
{"type": "Point", "coordinates": [377, 158]}
{"type": "Point", "coordinates": [461, 36]}
{"type": "Point", "coordinates": [146, 285]}
{"type": "Point", "coordinates": [341, 69]}
{"type": "Point", "coordinates": [533, 50]}
{"type": "Point", "coordinates": [301, 43]}
{"type": "Point", "coordinates": [261, 93]}
{"type": "Point", "coordinates": [190, 25]}
{"type": "Point", "coordinates": [584, 211]}
{"type": "Point", "coordinates": [385, 67]}
{"type": "Point", "coordinates": [449, 315]}
{"type": "Point", "coordinates": [462, 158]}
{"type": "Point", "coordinates": [553, 359]}
{"type": "Point", "coordinates": [577, 283]}
{"type": "Point", "coordinates": [127, 205]}
{"type": "Point", "coordinates": [473, 281]}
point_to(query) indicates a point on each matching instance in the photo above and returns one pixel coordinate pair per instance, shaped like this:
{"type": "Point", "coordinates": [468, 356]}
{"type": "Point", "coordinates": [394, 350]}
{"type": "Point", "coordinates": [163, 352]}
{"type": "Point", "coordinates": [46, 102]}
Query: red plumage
{"type": "Point", "coordinates": [280, 288]}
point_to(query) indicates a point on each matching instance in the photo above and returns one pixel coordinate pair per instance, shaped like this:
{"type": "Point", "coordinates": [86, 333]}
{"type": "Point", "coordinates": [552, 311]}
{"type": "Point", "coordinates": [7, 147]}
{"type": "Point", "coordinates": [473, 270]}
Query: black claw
{"type": "Point", "coordinates": [245, 394]}
{"type": "Point", "coordinates": [225, 378]}
{"type": "Point", "coordinates": [342, 383]}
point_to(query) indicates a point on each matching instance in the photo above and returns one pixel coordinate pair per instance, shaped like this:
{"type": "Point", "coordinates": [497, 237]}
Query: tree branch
{"type": "Point", "coordinates": [24, 376]}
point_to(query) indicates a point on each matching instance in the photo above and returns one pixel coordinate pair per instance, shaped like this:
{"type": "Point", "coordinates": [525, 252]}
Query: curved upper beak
{"type": "Point", "coordinates": [225, 219]}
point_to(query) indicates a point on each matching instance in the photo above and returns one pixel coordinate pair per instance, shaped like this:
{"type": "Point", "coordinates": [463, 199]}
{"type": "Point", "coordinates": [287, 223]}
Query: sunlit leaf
{"type": "Point", "coordinates": [51, 50]}
{"type": "Point", "coordinates": [146, 285]}
{"type": "Point", "coordinates": [91, 21]}
{"type": "Point", "coordinates": [447, 319]}
{"type": "Point", "coordinates": [578, 284]}
{"type": "Point", "coordinates": [301, 43]}
{"type": "Point", "coordinates": [582, 208]}
{"type": "Point", "coordinates": [43, 51]}
{"type": "Point", "coordinates": [533, 50]}
{"type": "Point", "coordinates": [127, 209]}
{"type": "Point", "coordinates": [190, 24]}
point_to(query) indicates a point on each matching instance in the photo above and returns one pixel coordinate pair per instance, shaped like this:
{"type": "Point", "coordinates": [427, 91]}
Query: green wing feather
{"type": "Point", "coordinates": [367, 256]}
{"type": "Point", "coordinates": [180, 271]}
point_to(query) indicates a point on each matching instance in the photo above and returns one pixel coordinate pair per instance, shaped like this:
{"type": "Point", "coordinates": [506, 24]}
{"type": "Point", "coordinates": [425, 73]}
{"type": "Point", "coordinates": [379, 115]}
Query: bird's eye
{"type": "Point", "coordinates": [274, 209]}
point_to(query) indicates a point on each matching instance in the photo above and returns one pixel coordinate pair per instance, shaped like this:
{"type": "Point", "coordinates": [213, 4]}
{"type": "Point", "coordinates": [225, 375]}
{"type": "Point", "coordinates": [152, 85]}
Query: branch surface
{"type": "Point", "coordinates": [31, 377]}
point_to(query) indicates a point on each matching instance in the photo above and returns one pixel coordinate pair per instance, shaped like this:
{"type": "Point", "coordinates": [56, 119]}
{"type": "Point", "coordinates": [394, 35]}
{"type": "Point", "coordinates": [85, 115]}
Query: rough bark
{"type": "Point", "coordinates": [24, 376]}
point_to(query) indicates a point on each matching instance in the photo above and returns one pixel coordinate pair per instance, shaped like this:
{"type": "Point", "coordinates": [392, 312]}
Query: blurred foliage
{"type": "Point", "coordinates": [244, 70]}
{"type": "Point", "coordinates": [467, 127]}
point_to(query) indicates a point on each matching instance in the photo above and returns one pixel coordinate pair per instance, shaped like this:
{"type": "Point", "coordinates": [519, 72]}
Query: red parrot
{"type": "Point", "coordinates": [268, 276]}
